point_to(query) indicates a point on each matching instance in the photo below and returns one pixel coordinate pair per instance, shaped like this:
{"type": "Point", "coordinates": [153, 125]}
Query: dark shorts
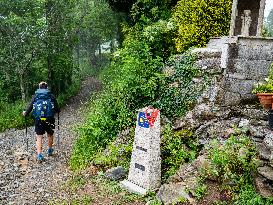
{"type": "Point", "coordinates": [45, 126]}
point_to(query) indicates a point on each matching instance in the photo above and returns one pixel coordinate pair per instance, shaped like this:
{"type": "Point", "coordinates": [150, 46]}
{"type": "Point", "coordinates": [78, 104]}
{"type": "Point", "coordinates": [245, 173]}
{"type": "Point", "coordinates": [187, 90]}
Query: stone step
{"type": "Point", "coordinates": [207, 53]}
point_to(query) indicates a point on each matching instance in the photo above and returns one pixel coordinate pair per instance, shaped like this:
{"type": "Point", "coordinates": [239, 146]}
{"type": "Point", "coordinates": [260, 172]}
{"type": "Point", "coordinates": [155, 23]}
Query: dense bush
{"type": "Point", "coordinates": [10, 116]}
{"type": "Point", "coordinates": [134, 80]}
{"type": "Point", "coordinates": [232, 162]}
{"type": "Point", "coordinates": [177, 148]}
{"type": "Point", "coordinates": [248, 196]}
{"type": "Point", "coordinates": [131, 83]}
{"type": "Point", "coordinates": [199, 20]}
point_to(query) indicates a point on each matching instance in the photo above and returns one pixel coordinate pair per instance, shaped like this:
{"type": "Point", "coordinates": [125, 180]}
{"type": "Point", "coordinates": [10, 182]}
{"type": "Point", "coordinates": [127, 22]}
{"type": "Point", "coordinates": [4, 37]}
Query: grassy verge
{"type": "Point", "coordinates": [86, 189]}
{"type": "Point", "coordinates": [232, 167]}
{"type": "Point", "coordinates": [11, 117]}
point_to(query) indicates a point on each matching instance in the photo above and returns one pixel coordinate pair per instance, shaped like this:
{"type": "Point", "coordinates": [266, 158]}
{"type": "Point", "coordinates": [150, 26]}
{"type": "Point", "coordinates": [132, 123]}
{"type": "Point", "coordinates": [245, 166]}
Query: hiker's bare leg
{"type": "Point", "coordinates": [50, 140]}
{"type": "Point", "coordinates": [39, 143]}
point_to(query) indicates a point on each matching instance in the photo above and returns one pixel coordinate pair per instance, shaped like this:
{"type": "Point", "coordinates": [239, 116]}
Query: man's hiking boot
{"type": "Point", "coordinates": [40, 157]}
{"type": "Point", "coordinates": [50, 151]}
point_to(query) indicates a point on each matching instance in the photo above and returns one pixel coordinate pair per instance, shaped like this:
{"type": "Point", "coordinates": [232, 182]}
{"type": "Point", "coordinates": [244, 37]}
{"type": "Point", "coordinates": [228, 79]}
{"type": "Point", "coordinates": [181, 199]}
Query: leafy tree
{"type": "Point", "coordinates": [121, 5]}
{"type": "Point", "coordinates": [98, 26]}
{"type": "Point", "coordinates": [199, 20]}
{"type": "Point", "coordinates": [40, 40]}
{"type": "Point", "coordinates": [21, 23]}
{"type": "Point", "coordinates": [153, 10]}
{"type": "Point", "coordinates": [269, 24]}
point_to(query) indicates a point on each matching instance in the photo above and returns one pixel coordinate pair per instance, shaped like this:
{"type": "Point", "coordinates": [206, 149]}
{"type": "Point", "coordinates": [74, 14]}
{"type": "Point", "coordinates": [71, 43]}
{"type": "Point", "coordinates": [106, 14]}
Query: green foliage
{"type": "Point", "coordinates": [268, 26]}
{"type": "Point", "coordinates": [178, 92]}
{"type": "Point", "coordinates": [248, 196]}
{"type": "Point", "coordinates": [201, 190]}
{"type": "Point", "coordinates": [11, 116]}
{"type": "Point", "coordinates": [134, 80]}
{"type": "Point", "coordinates": [233, 162]}
{"type": "Point", "coordinates": [116, 154]}
{"type": "Point", "coordinates": [46, 41]}
{"type": "Point", "coordinates": [150, 10]}
{"type": "Point", "coordinates": [72, 90]}
{"type": "Point", "coordinates": [266, 86]}
{"type": "Point", "coordinates": [199, 20]}
{"type": "Point", "coordinates": [121, 5]}
{"type": "Point", "coordinates": [177, 148]}
{"type": "Point", "coordinates": [127, 87]}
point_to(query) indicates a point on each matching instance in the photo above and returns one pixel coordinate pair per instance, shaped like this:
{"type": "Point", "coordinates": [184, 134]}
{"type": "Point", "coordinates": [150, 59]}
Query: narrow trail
{"type": "Point", "coordinates": [22, 179]}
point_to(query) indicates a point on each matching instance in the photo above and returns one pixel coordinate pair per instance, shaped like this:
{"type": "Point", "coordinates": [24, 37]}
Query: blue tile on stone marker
{"type": "Point", "coordinates": [142, 120]}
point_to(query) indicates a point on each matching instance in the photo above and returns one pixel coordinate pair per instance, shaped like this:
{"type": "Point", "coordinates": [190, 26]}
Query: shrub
{"type": "Point", "coordinates": [130, 83]}
{"type": "Point", "coordinates": [178, 92]}
{"type": "Point", "coordinates": [232, 162]}
{"type": "Point", "coordinates": [116, 154]}
{"type": "Point", "coordinates": [176, 149]}
{"type": "Point", "coordinates": [134, 80]}
{"type": "Point", "coordinates": [199, 20]}
{"type": "Point", "coordinates": [11, 116]}
{"type": "Point", "coordinates": [248, 196]}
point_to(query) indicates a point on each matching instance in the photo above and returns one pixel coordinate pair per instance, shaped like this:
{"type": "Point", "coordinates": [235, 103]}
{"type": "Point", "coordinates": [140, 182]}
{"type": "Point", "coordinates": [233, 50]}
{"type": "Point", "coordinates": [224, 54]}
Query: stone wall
{"type": "Point", "coordinates": [245, 60]}
{"type": "Point", "coordinates": [233, 66]}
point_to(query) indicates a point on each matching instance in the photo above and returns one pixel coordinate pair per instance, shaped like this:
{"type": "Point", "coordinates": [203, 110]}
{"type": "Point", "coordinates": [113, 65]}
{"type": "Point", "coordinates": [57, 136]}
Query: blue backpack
{"type": "Point", "coordinates": [43, 106]}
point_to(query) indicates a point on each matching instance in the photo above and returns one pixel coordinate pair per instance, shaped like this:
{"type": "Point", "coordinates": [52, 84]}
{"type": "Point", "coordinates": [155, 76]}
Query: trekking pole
{"type": "Point", "coordinates": [58, 142]}
{"type": "Point", "coordinates": [26, 132]}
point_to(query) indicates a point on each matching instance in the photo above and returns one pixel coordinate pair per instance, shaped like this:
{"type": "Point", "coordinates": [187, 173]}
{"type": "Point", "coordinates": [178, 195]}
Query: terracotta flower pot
{"type": "Point", "coordinates": [266, 100]}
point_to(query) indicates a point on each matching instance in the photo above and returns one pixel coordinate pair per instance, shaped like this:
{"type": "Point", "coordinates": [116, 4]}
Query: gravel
{"type": "Point", "coordinates": [25, 181]}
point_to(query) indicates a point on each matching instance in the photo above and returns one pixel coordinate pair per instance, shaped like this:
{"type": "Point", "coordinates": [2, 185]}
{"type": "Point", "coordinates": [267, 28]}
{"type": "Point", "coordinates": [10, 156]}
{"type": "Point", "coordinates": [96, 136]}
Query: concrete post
{"type": "Point", "coordinates": [145, 166]}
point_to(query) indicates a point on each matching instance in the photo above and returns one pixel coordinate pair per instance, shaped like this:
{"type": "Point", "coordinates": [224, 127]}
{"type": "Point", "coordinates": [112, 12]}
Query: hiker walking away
{"type": "Point", "coordinates": [44, 106]}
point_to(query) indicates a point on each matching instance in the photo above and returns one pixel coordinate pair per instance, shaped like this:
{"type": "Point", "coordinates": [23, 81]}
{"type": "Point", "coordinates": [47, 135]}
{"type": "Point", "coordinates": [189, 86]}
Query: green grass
{"type": "Point", "coordinates": [11, 116]}
{"type": "Point", "coordinates": [99, 189]}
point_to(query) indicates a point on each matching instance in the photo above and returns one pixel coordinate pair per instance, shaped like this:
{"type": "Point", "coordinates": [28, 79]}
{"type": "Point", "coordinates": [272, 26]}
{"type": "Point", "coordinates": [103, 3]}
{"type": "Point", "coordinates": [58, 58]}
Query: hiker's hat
{"type": "Point", "coordinates": [43, 85]}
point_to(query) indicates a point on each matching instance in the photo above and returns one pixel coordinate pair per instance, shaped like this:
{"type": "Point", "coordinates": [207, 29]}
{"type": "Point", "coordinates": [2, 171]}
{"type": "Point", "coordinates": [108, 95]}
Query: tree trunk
{"type": "Point", "coordinates": [22, 87]}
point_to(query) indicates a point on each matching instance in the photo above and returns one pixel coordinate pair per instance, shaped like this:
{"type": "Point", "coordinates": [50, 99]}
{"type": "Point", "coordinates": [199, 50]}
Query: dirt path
{"type": "Point", "coordinates": [22, 179]}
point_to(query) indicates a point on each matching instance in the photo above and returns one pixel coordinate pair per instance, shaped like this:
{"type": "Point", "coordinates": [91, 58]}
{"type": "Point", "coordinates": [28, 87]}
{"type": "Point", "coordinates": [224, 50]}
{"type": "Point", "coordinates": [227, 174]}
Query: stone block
{"type": "Point", "coordinates": [241, 88]}
{"type": "Point", "coordinates": [210, 65]}
{"type": "Point", "coordinates": [115, 173]}
{"type": "Point", "coordinates": [231, 98]}
{"type": "Point", "coordinates": [263, 151]}
{"type": "Point", "coordinates": [145, 165]}
{"type": "Point", "coordinates": [263, 187]}
{"type": "Point", "coordinates": [259, 51]}
{"type": "Point", "coordinates": [173, 193]}
{"type": "Point", "coordinates": [268, 140]}
{"type": "Point", "coordinates": [133, 187]}
{"type": "Point", "coordinates": [251, 69]}
{"type": "Point", "coordinates": [207, 53]}
{"type": "Point", "coordinates": [267, 172]}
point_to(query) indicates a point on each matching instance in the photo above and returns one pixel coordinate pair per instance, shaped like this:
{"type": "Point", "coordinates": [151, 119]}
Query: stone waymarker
{"type": "Point", "coordinates": [145, 166]}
